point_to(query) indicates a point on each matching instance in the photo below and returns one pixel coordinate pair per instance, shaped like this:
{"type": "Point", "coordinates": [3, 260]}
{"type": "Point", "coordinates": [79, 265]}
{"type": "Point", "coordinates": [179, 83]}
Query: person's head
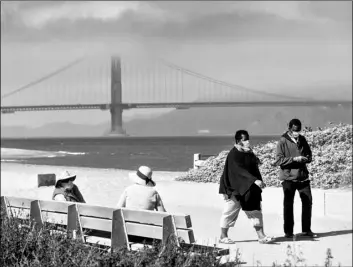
{"type": "Point", "coordinates": [143, 176]}
{"type": "Point", "coordinates": [242, 138]}
{"type": "Point", "coordinates": [66, 180]}
{"type": "Point", "coordinates": [294, 127]}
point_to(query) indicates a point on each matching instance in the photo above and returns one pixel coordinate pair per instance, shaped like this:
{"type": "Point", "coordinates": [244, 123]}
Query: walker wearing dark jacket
{"type": "Point", "coordinates": [292, 154]}
{"type": "Point", "coordinates": [241, 186]}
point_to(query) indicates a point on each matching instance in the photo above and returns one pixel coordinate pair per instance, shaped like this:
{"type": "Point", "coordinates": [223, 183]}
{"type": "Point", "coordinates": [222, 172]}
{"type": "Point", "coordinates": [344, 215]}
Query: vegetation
{"type": "Point", "coordinates": [331, 166]}
{"type": "Point", "coordinates": [23, 244]}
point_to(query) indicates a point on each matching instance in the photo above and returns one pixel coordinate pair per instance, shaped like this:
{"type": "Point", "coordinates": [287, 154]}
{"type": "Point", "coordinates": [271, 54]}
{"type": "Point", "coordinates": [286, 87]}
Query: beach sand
{"type": "Point", "coordinates": [332, 211]}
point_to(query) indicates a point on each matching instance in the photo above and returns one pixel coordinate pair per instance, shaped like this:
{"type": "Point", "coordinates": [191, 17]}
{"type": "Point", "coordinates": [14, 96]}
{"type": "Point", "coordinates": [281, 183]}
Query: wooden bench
{"type": "Point", "coordinates": [107, 226]}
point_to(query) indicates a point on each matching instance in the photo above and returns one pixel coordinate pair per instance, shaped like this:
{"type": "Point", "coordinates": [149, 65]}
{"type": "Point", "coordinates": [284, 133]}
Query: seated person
{"type": "Point", "coordinates": [142, 194]}
{"type": "Point", "coordinates": [66, 190]}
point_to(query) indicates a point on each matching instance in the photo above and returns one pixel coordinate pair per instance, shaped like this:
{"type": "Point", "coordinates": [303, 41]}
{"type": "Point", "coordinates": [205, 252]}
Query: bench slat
{"type": "Point", "coordinates": [96, 224]}
{"type": "Point", "coordinates": [95, 211]}
{"type": "Point", "coordinates": [56, 218]}
{"type": "Point", "coordinates": [54, 206]}
{"type": "Point", "coordinates": [155, 232]}
{"type": "Point", "coordinates": [19, 212]}
{"type": "Point", "coordinates": [141, 216]}
{"type": "Point", "coordinates": [136, 229]}
{"type": "Point", "coordinates": [155, 218]}
{"type": "Point", "coordinates": [18, 202]}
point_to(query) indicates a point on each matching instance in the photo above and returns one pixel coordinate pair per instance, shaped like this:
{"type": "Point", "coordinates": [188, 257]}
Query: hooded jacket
{"type": "Point", "coordinates": [286, 150]}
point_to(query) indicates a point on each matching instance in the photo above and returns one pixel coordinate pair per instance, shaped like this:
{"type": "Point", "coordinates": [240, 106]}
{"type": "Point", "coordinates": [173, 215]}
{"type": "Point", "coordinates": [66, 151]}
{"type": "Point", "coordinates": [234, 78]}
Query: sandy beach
{"type": "Point", "coordinates": [332, 211]}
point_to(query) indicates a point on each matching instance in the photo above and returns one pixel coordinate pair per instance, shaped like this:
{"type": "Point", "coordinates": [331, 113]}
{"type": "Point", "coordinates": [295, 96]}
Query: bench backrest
{"type": "Point", "coordinates": [117, 224]}
{"type": "Point", "coordinates": [39, 210]}
{"type": "Point", "coordinates": [122, 223]}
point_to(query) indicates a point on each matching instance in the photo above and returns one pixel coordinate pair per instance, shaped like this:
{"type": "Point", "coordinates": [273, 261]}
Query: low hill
{"type": "Point", "coordinates": [212, 121]}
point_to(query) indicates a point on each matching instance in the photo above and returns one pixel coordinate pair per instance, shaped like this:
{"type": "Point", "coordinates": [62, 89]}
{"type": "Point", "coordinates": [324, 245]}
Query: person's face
{"type": "Point", "coordinates": [244, 141]}
{"type": "Point", "coordinates": [295, 131]}
{"type": "Point", "coordinates": [69, 184]}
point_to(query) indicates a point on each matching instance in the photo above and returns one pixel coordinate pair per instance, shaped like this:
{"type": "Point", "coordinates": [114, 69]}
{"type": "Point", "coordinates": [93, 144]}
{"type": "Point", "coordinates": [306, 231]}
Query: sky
{"type": "Point", "coordinates": [279, 47]}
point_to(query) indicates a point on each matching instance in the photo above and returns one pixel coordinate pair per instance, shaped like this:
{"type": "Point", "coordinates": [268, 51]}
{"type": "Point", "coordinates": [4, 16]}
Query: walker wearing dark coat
{"type": "Point", "coordinates": [239, 174]}
{"type": "Point", "coordinates": [240, 187]}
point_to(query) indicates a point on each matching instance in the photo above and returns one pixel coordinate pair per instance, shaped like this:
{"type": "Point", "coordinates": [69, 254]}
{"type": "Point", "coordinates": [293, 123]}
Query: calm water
{"type": "Point", "coordinates": [160, 153]}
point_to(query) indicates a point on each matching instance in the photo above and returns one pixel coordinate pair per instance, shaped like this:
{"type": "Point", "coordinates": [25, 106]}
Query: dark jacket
{"type": "Point", "coordinates": [287, 149]}
{"type": "Point", "coordinates": [72, 195]}
{"type": "Point", "coordinates": [239, 174]}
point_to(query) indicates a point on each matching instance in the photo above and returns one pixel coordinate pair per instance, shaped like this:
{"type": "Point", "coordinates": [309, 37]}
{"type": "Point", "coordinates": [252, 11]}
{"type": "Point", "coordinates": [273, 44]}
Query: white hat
{"type": "Point", "coordinates": [143, 176]}
{"type": "Point", "coordinates": [65, 176]}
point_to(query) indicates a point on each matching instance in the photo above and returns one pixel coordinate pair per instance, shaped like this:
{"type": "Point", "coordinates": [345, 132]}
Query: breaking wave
{"type": "Point", "coordinates": [13, 154]}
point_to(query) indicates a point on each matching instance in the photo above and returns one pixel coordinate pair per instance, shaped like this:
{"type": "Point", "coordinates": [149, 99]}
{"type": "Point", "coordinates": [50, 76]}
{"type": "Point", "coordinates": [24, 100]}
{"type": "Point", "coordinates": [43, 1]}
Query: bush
{"type": "Point", "coordinates": [331, 166]}
{"type": "Point", "coordinates": [22, 244]}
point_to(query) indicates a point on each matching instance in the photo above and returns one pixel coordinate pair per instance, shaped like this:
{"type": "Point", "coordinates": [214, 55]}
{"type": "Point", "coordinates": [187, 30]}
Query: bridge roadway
{"type": "Point", "coordinates": [178, 105]}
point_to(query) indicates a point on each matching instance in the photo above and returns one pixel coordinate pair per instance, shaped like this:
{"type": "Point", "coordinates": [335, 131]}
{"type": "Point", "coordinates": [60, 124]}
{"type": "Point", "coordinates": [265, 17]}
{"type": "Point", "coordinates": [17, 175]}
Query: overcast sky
{"type": "Point", "coordinates": [269, 46]}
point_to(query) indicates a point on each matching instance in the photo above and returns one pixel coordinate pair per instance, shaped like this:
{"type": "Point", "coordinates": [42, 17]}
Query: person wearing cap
{"type": "Point", "coordinates": [142, 194]}
{"type": "Point", "coordinates": [66, 190]}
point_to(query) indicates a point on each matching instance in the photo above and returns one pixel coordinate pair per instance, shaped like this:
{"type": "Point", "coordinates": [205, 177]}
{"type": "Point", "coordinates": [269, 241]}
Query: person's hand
{"type": "Point", "coordinates": [260, 183]}
{"type": "Point", "coordinates": [300, 159]}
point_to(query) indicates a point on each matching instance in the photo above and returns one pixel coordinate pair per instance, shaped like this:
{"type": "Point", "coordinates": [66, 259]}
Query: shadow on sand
{"type": "Point", "coordinates": [334, 233]}
{"type": "Point", "coordinates": [282, 239]}
{"type": "Point", "coordinates": [319, 235]}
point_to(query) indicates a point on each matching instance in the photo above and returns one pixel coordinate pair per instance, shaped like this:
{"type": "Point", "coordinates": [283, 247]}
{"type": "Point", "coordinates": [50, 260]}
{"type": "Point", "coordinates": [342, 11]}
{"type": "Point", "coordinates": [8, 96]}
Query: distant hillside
{"type": "Point", "coordinates": [219, 121]}
{"type": "Point", "coordinates": [214, 121]}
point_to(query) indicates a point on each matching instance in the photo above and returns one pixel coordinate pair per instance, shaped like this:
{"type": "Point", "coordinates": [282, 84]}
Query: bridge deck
{"type": "Point", "coordinates": [12, 109]}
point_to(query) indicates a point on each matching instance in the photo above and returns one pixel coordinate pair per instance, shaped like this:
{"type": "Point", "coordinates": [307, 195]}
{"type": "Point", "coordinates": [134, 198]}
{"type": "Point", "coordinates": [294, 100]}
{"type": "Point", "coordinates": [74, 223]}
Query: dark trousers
{"type": "Point", "coordinates": [304, 190]}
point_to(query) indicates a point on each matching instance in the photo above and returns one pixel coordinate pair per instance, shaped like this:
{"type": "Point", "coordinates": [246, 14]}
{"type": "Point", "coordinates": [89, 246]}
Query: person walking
{"type": "Point", "coordinates": [241, 187]}
{"type": "Point", "coordinates": [292, 154]}
{"type": "Point", "coordinates": [142, 194]}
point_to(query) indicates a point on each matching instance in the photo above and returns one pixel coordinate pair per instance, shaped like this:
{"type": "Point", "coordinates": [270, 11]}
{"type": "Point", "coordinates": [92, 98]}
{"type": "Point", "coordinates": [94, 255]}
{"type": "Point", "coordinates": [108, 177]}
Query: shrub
{"type": "Point", "coordinates": [331, 166]}
{"type": "Point", "coordinates": [23, 244]}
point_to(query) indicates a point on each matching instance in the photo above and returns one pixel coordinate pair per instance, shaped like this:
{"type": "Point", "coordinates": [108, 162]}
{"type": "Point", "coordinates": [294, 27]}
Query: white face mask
{"type": "Point", "coordinates": [246, 143]}
{"type": "Point", "coordinates": [295, 134]}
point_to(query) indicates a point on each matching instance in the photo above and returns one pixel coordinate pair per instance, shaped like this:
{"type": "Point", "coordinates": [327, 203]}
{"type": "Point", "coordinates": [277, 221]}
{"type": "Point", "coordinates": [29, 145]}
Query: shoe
{"type": "Point", "coordinates": [267, 240]}
{"type": "Point", "coordinates": [309, 234]}
{"type": "Point", "coordinates": [226, 240]}
{"type": "Point", "coordinates": [288, 235]}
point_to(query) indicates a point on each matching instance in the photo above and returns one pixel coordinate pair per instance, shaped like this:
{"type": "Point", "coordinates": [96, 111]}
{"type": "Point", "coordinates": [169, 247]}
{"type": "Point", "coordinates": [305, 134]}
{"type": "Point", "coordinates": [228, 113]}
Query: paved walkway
{"type": "Point", "coordinates": [334, 226]}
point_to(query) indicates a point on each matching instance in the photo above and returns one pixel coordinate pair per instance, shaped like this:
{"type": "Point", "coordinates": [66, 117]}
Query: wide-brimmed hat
{"type": "Point", "coordinates": [65, 177]}
{"type": "Point", "coordinates": [143, 176]}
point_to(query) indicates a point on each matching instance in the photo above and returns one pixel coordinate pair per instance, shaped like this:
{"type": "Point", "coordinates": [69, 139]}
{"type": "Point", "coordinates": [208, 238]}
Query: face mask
{"type": "Point", "coordinates": [246, 143]}
{"type": "Point", "coordinates": [295, 134]}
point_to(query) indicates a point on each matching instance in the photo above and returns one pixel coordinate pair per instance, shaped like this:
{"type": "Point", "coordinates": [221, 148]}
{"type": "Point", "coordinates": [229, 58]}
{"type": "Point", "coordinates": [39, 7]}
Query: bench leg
{"type": "Point", "coordinates": [74, 228]}
{"type": "Point", "coordinates": [169, 231]}
{"type": "Point", "coordinates": [119, 237]}
{"type": "Point", "coordinates": [36, 213]}
{"type": "Point", "coordinates": [4, 206]}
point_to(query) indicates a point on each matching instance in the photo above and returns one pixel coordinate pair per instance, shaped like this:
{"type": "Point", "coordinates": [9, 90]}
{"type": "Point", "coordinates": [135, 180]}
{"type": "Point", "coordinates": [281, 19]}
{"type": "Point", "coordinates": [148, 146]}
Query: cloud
{"type": "Point", "coordinates": [191, 20]}
{"type": "Point", "coordinates": [73, 11]}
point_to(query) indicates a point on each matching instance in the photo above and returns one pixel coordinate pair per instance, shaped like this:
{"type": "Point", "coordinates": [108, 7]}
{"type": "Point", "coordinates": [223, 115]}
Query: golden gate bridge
{"type": "Point", "coordinates": [118, 83]}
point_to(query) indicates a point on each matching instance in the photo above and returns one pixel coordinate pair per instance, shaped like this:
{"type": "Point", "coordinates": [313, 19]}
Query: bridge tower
{"type": "Point", "coordinates": [116, 110]}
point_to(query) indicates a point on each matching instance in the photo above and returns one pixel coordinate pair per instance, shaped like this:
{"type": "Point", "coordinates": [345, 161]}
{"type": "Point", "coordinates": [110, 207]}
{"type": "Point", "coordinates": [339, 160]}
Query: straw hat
{"type": "Point", "coordinates": [65, 177]}
{"type": "Point", "coordinates": [143, 176]}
